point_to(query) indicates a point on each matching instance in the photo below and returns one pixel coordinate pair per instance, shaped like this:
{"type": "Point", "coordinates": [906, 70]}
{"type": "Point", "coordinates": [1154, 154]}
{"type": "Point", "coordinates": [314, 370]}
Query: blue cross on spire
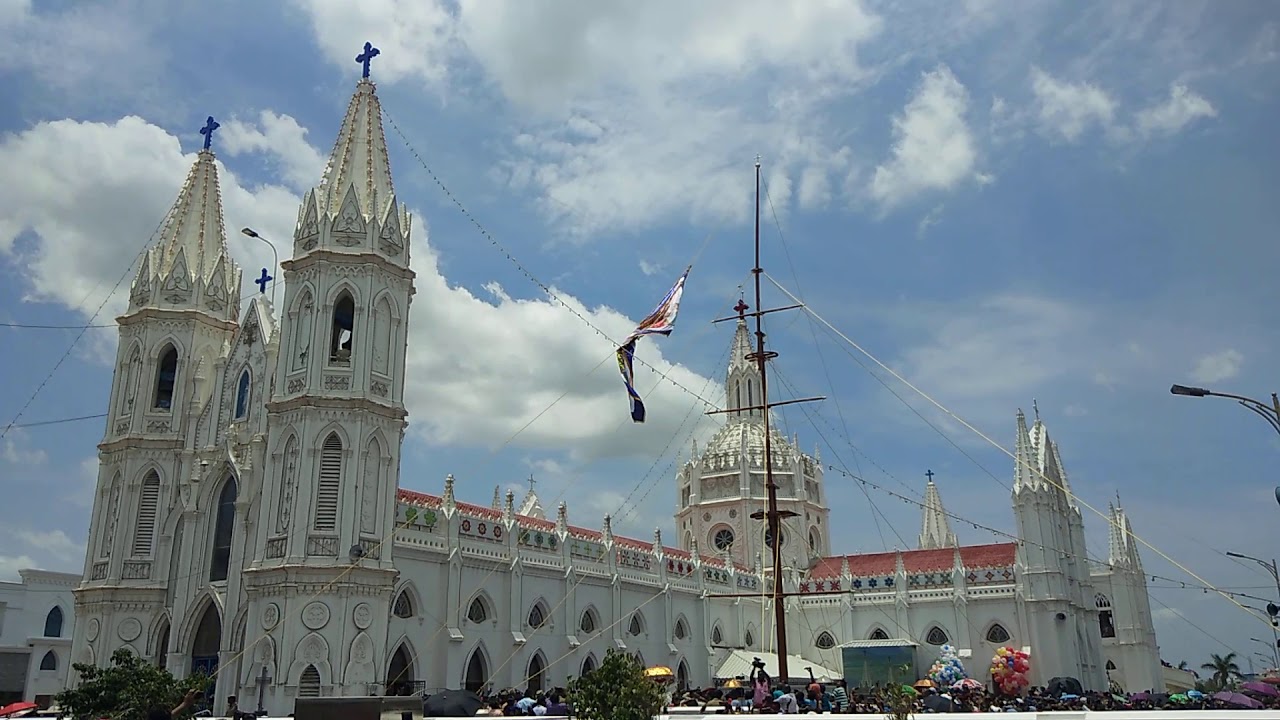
{"type": "Point", "coordinates": [263, 280]}
{"type": "Point", "coordinates": [370, 52]}
{"type": "Point", "coordinates": [207, 131]}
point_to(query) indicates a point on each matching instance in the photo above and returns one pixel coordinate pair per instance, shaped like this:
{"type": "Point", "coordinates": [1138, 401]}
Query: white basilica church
{"type": "Point", "coordinates": [249, 521]}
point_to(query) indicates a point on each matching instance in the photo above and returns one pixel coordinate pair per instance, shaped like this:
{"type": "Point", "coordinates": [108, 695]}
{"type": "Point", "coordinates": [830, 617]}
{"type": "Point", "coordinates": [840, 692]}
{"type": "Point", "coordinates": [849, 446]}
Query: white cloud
{"type": "Point", "coordinates": [16, 450]}
{"type": "Point", "coordinates": [414, 36]}
{"type": "Point", "coordinates": [1066, 110]}
{"type": "Point", "coordinates": [1182, 108]}
{"type": "Point", "coordinates": [55, 543]}
{"type": "Point", "coordinates": [505, 361]}
{"type": "Point", "coordinates": [1217, 367]}
{"type": "Point", "coordinates": [933, 146]}
{"type": "Point", "coordinates": [11, 564]}
{"type": "Point", "coordinates": [632, 114]}
{"type": "Point", "coordinates": [649, 268]}
{"type": "Point", "coordinates": [283, 140]}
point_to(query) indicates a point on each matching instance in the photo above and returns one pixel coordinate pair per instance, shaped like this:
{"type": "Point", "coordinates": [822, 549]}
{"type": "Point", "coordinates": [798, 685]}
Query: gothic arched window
{"type": "Point", "coordinates": [717, 638]}
{"type": "Point", "coordinates": [224, 525]}
{"type": "Point", "coordinates": [589, 665]}
{"type": "Point", "coordinates": [748, 639]}
{"type": "Point", "coordinates": [242, 395]}
{"type": "Point", "coordinates": [53, 623]}
{"type": "Point", "coordinates": [343, 331]}
{"type": "Point", "coordinates": [49, 661]}
{"type": "Point", "coordinates": [1106, 626]}
{"type": "Point", "coordinates": [537, 615]}
{"type": "Point", "coordinates": [145, 530]}
{"type": "Point", "coordinates": [682, 630]}
{"type": "Point", "coordinates": [309, 683]}
{"type": "Point", "coordinates": [936, 636]}
{"type": "Point", "coordinates": [478, 612]}
{"type": "Point", "coordinates": [166, 377]}
{"type": "Point", "coordinates": [588, 624]}
{"type": "Point", "coordinates": [997, 634]}
{"type": "Point", "coordinates": [879, 634]}
{"type": "Point", "coordinates": [403, 607]}
{"type": "Point", "coordinates": [636, 628]}
{"type": "Point", "coordinates": [825, 641]}
{"type": "Point", "coordinates": [330, 481]}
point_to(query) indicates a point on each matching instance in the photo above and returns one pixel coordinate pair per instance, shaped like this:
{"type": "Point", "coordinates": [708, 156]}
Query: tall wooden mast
{"type": "Point", "coordinates": [771, 515]}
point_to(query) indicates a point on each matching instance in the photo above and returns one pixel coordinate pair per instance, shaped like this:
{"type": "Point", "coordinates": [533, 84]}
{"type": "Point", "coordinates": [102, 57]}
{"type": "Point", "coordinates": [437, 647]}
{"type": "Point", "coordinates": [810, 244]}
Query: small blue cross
{"type": "Point", "coordinates": [370, 52]}
{"type": "Point", "coordinates": [207, 131]}
{"type": "Point", "coordinates": [263, 280]}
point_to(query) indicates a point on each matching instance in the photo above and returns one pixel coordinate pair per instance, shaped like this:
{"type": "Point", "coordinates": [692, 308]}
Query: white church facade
{"type": "Point", "coordinates": [249, 520]}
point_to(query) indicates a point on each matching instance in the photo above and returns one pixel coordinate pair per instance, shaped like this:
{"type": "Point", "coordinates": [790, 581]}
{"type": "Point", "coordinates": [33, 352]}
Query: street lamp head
{"type": "Point", "coordinates": [254, 233]}
{"type": "Point", "coordinates": [1189, 391]}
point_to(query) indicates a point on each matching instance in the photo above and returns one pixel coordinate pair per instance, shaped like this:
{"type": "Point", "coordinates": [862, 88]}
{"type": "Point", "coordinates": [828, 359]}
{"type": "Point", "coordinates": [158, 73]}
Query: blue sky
{"type": "Point", "coordinates": [1071, 202]}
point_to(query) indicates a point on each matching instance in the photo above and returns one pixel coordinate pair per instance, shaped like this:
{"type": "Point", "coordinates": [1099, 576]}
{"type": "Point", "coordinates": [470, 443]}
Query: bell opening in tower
{"type": "Point", "coordinates": [344, 315]}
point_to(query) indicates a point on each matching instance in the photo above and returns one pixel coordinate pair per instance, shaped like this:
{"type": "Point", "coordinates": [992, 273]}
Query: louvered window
{"type": "Point", "coordinates": [145, 531]}
{"type": "Point", "coordinates": [309, 683]}
{"type": "Point", "coordinates": [326, 517]}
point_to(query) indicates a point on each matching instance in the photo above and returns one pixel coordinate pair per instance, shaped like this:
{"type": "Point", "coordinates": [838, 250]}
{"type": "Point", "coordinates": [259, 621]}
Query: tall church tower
{"type": "Point", "coordinates": [722, 487]}
{"type": "Point", "coordinates": [1052, 566]}
{"type": "Point", "coordinates": [321, 580]}
{"type": "Point", "coordinates": [1132, 641]}
{"type": "Point", "coordinates": [183, 308]}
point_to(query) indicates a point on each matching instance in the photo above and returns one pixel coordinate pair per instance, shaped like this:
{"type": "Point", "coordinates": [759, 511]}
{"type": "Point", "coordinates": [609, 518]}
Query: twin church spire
{"type": "Point", "coordinates": [189, 266]}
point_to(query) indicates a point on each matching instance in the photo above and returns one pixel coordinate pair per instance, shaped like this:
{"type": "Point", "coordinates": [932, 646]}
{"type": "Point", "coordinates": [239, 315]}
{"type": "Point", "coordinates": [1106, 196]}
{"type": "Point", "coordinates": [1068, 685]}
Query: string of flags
{"type": "Point", "coordinates": [659, 322]}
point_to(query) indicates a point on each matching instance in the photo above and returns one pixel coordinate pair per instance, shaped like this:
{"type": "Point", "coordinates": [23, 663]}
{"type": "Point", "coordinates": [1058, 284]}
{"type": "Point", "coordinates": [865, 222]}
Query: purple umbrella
{"type": "Point", "coordinates": [1237, 699]}
{"type": "Point", "coordinates": [1261, 688]}
{"type": "Point", "coordinates": [1140, 696]}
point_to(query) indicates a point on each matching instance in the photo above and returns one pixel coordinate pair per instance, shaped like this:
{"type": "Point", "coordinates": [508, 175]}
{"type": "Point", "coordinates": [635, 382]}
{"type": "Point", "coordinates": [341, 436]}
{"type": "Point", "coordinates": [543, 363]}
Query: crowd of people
{"type": "Point", "coordinates": [760, 694]}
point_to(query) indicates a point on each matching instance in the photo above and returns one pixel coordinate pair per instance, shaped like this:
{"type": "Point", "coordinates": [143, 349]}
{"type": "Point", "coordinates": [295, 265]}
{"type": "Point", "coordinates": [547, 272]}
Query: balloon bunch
{"type": "Point", "coordinates": [947, 670]}
{"type": "Point", "coordinates": [1009, 670]}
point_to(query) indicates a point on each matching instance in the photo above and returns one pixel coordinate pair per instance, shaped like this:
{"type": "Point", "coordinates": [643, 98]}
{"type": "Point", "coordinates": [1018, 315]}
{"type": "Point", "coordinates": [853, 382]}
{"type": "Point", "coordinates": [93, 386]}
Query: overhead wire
{"type": "Point", "coordinates": [1041, 475]}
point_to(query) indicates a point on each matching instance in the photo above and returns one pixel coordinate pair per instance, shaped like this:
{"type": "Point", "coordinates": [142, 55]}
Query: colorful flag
{"type": "Point", "coordinates": [660, 322]}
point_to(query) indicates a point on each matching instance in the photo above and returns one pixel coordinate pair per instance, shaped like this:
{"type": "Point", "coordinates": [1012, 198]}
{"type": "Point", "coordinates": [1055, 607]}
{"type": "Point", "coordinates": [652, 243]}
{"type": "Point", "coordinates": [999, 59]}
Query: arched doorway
{"type": "Point", "coordinates": [162, 645]}
{"type": "Point", "coordinates": [682, 675]}
{"type": "Point", "coordinates": [400, 673]}
{"type": "Point", "coordinates": [207, 642]}
{"type": "Point", "coordinates": [477, 671]}
{"type": "Point", "coordinates": [537, 669]}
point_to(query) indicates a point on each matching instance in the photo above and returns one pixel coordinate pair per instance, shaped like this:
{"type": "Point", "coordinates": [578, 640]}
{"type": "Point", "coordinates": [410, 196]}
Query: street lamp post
{"type": "Point", "coordinates": [275, 258]}
{"type": "Point", "coordinates": [1275, 652]}
{"type": "Point", "coordinates": [1269, 412]}
{"type": "Point", "coordinates": [1273, 609]}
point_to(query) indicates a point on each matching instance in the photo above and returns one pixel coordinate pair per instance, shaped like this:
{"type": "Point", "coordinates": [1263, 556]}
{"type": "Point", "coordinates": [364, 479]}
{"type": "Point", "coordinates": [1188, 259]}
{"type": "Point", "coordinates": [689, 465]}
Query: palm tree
{"type": "Point", "coordinates": [1224, 669]}
{"type": "Point", "coordinates": [1184, 665]}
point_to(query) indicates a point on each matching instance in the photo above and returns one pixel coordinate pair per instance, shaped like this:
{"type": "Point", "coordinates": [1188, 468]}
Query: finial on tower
{"type": "Point", "coordinates": [448, 489]}
{"type": "Point", "coordinates": [608, 528]}
{"type": "Point", "coordinates": [929, 474]}
{"type": "Point", "coordinates": [263, 279]}
{"type": "Point", "coordinates": [207, 131]}
{"type": "Point", "coordinates": [1035, 408]}
{"type": "Point", "coordinates": [509, 508]}
{"type": "Point", "coordinates": [370, 52]}
{"type": "Point", "coordinates": [532, 482]}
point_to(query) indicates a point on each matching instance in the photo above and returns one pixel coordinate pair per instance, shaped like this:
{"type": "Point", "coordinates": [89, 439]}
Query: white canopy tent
{"type": "Point", "coordinates": [738, 664]}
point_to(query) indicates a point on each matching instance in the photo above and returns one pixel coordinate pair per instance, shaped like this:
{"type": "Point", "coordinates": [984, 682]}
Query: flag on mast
{"type": "Point", "coordinates": [660, 322]}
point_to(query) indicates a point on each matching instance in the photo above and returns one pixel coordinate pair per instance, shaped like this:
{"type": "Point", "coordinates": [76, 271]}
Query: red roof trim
{"type": "Point", "coordinates": [914, 561]}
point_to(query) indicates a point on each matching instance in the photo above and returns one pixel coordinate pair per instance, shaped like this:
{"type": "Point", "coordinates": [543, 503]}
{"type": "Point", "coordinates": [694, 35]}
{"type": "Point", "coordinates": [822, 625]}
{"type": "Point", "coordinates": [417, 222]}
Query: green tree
{"type": "Point", "coordinates": [617, 690]}
{"type": "Point", "coordinates": [900, 699]}
{"type": "Point", "coordinates": [1224, 669]}
{"type": "Point", "coordinates": [125, 690]}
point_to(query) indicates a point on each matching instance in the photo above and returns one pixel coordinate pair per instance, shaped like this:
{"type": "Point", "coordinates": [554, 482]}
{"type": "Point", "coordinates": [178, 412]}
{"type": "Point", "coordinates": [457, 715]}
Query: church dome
{"type": "Point", "coordinates": [747, 436]}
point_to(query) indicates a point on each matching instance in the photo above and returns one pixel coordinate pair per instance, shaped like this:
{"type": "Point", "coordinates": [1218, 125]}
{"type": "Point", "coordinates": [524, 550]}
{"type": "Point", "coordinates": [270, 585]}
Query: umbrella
{"type": "Point", "coordinates": [1179, 698]}
{"type": "Point", "coordinates": [733, 683]}
{"type": "Point", "coordinates": [966, 684]}
{"type": "Point", "coordinates": [1140, 696]}
{"type": "Point", "coordinates": [1195, 694]}
{"type": "Point", "coordinates": [1237, 699]}
{"type": "Point", "coordinates": [15, 708]}
{"type": "Point", "coordinates": [926, 683]}
{"type": "Point", "coordinates": [1272, 679]}
{"type": "Point", "coordinates": [659, 672]}
{"type": "Point", "coordinates": [938, 704]}
{"type": "Point", "coordinates": [452, 703]}
{"type": "Point", "coordinates": [1260, 688]}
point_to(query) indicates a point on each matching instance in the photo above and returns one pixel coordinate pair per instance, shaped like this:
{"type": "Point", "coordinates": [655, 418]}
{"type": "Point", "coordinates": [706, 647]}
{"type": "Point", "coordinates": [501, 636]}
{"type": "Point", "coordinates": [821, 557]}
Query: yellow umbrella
{"type": "Point", "coordinates": [733, 683]}
{"type": "Point", "coordinates": [659, 672]}
{"type": "Point", "coordinates": [926, 683]}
